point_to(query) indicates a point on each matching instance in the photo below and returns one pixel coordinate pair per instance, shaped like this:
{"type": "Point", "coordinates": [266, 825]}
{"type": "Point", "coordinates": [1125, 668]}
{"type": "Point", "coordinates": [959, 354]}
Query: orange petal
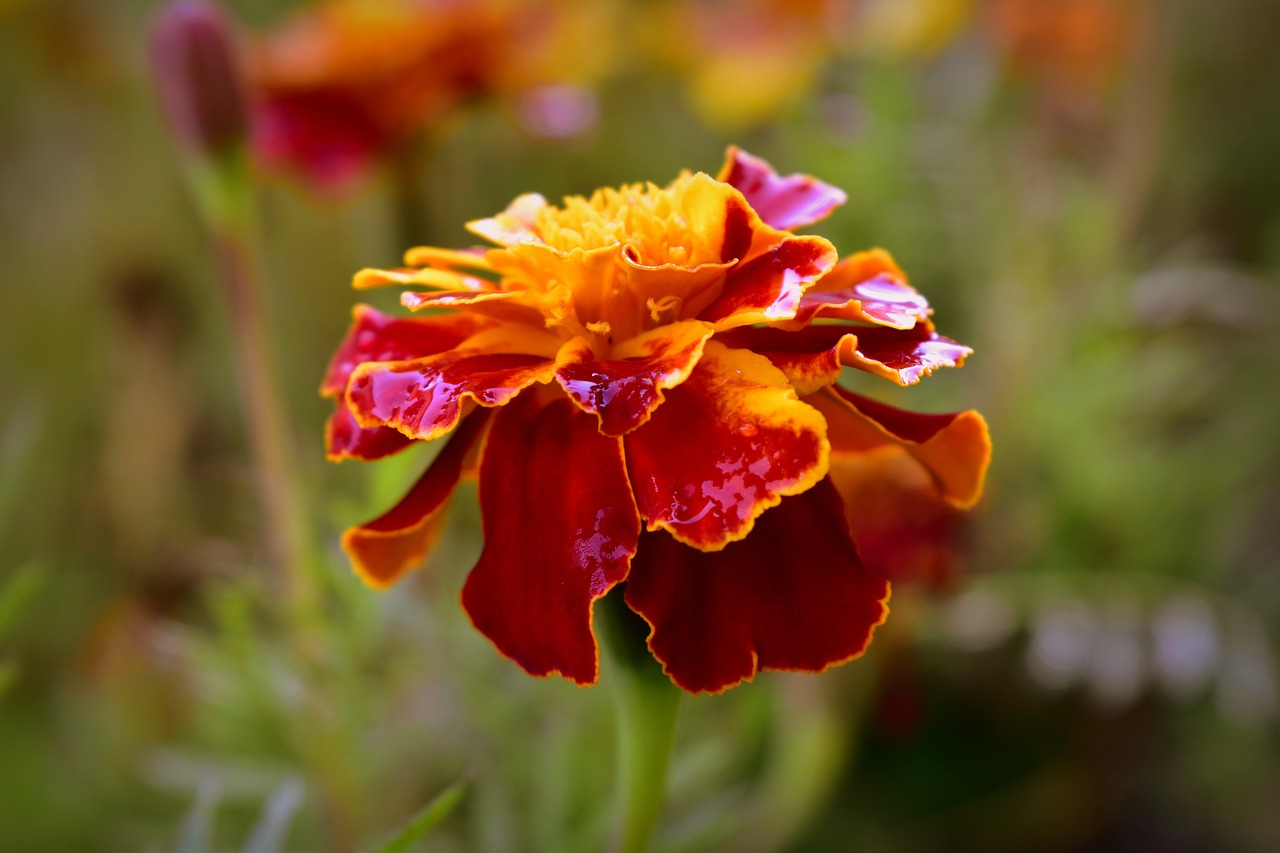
{"type": "Point", "coordinates": [785, 203]}
{"type": "Point", "coordinates": [955, 448]}
{"type": "Point", "coordinates": [560, 529]}
{"type": "Point", "coordinates": [384, 549]}
{"type": "Point", "coordinates": [726, 445]}
{"type": "Point", "coordinates": [624, 391]}
{"type": "Point", "coordinates": [905, 530]}
{"type": "Point", "coordinates": [792, 596]}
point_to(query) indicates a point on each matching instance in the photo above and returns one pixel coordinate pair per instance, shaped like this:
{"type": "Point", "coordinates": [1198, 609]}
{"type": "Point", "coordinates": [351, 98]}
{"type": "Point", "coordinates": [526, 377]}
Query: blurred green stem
{"type": "Point", "coordinates": [646, 703]}
{"type": "Point", "coordinates": [223, 191]}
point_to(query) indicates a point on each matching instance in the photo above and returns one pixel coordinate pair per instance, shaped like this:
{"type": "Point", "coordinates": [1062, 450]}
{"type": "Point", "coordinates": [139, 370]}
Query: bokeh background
{"type": "Point", "coordinates": [1087, 190]}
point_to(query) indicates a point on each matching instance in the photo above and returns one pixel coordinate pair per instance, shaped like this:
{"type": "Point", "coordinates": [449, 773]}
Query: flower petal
{"type": "Point", "coordinates": [560, 529]}
{"type": "Point", "coordinates": [375, 336]}
{"type": "Point", "coordinates": [769, 287]}
{"type": "Point", "coordinates": [905, 356]}
{"type": "Point", "coordinates": [812, 357]}
{"type": "Point", "coordinates": [384, 549]}
{"type": "Point", "coordinates": [423, 398]}
{"type": "Point", "coordinates": [624, 391]}
{"type": "Point", "coordinates": [955, 448]}
{"type": "Point", "coordinates": [792, 596]}
{"type": "Point", "coordinates": [726, 445]}
{"type": "Point", "coordinates": [510, 306]}
{"type": "Point", "coordinates": [905, 529]}
{"type": "Point", "coordinates": [346, 439]}
{"type": "Point", "coordinates": [785, 203]}
{"type": "Point", "coordinates": [517, 224]}
{"type": "Point", "coordinates": [868, 288]}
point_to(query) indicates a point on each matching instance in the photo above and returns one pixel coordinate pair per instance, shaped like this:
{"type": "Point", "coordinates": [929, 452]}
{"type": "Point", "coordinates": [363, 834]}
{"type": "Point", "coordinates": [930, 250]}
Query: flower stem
{"type": "Point", "coordinates": [224, 193]}
{"type": "Point", "coordinates": [646, 703]}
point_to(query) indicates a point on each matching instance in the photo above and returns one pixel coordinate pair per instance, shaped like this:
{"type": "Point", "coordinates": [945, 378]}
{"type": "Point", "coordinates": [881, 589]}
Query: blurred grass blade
{"type": "Point", "coordinates": [196, 834]}
{"type": "Point", "coordinates": [269, 834]}
{"type": "Point", "coordinates": [8, 674]}
{"type": "Point", "coordinates": [431, 816]}
{"type": "Point", "coordinates": [17, 450]}
{"type": "Point", "coordinates": [15, 593]}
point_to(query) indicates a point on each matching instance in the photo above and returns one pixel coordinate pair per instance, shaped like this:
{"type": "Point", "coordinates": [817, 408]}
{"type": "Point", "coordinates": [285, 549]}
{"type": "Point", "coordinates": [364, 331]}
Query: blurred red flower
{"type": "Point", "coordinates": [644, 380]}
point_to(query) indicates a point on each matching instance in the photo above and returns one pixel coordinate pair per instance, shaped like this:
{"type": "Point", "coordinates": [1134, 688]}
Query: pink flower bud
{"type": "Point", "coordinates": [196, 68]}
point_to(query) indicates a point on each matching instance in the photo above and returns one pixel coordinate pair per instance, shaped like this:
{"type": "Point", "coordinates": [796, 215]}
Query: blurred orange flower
{"type": "Point", "coordinates": [344, 83]}
{"type": "Point", "coordinates": [665, 356]}
{"type": "Point", "coordinates": [1074, 46]}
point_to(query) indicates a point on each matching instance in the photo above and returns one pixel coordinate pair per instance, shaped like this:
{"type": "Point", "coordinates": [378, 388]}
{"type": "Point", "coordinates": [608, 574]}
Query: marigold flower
{"type": "Point", "coordinates": [345, 82]}
{"type": "Point", "coordinates": [644, 381]}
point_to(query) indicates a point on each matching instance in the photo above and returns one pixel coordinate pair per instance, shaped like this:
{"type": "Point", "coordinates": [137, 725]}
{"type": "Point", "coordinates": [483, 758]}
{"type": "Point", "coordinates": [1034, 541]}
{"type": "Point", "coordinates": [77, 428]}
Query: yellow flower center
{"type": "Point", "coordinates": [644, 217]}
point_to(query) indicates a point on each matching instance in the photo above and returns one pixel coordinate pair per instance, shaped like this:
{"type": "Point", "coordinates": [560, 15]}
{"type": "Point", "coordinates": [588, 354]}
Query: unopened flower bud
{"type": "Point", "coordinates": [197, 74]}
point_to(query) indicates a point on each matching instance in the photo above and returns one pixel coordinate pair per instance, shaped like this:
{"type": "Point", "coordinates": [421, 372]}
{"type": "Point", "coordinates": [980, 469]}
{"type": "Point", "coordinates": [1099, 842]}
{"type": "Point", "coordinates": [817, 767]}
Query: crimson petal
{"type": "Point", "coordinates": [769, 287]}
{"type": "Point", "coordinates": [623, 392]}
{"type": "Point", "coordinates": [375, 336]}
{"type": "Point", "coordinates": [792, 596]}
{"type": "Point", "coordinates": [423, 398]}
{"type": "Point", "coordinates": [345, 439]}
{"type": "Point", "coordinates": [726, 445]}
{"type": "Point", "coordinates": [812, 357]}
{"type": "Point", "coordinates": [782, 202]}
{"type": "Point", "coordinates": [384, 549]}
{"type": "Point", "coordinates": [560, 529]}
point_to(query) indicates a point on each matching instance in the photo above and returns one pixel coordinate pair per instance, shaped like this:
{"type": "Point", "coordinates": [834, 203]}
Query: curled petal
{"type": "Point", "coordinates": [905, 356]}
{"type": "Point", "coordinates": [517, 224]}
{"type": "Point", "coordinates": [769, 287]}
{"type": "Point", "coordinates": [726, 445]}
{"type": "Point", "coordinates": [384, 549]}
{"type": "Point", "coordinates": [443, 279]}
{"type": "Point", "coordinates": [792, 596]}
{"type": "Point", "coordinates": [812, 357]}
{"type": "Point", "coordinates": [867, 288]}
{"type": "Point", "coordinates": [346, 439]}
{"type": "Point", "coordinates": [955, 448]}
{"type": "Point", "coordinates": [560, 529]}
{"type": "Point", "coordinates": [511, 306]}
{"type": "Point", "coordinates": [624, 391]}
{"type": "Point", "coordinates": [785, 203]}
{"type": "Point", "coordinates": [423, 398]}
{"type": "Point", "coordinates": [374, 336]}
{"type": "Point", "coordinates": [905, 530]}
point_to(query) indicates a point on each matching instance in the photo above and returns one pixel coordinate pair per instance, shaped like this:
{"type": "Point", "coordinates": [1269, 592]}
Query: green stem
{"type": "Point", "coordinates": [646, 703]}
{"type": "Point", "coordinates": [223, 191]}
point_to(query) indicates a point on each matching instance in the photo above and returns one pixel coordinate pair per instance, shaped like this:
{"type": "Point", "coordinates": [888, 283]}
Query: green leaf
{"type": "Point", "coordinates": [431, 816]}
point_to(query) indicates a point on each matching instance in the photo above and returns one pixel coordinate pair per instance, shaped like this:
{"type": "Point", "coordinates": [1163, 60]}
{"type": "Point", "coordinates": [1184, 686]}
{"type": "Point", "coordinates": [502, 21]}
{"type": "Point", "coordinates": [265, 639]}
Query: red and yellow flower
{"type": "Point", "coordinates": [644, 382]}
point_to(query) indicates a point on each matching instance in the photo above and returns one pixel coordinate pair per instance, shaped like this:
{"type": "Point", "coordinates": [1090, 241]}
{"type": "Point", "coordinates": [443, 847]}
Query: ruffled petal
{"type": "Point", "coordinates": [517, 224]}
{"type": "Point", "coordinates": [346, 439]}
{"type": "Point", "coordinates": [905, 530]}
{"type": "Point", "coordinates": [813, 356]}
{"type": "Point", "coordinates": [560, 529]}
{"type": "Point", "coordinates": [427, 277]}
{"type": "Point", "coordinates": [792, 596]}
{"type": "Point", "coordinates": [906, 356]}
{"type": "Point", "coordinates": [384, 549]}
{"type": "Point", "coordinates": [785, 203]}
{"type": "Point", "coordinates": [769, 287]}
{"type": "Point", "coordinates": [624, 391]}
{"type": "Point", "coordinates": [726, 445]}
{"type": "Point", "coordinates": [510, 306]}
{"type": "Point", "coordinates": [423, 398]}
{"type": "Point", "coordinates": [955, 448]}
{"type": "Point", "coordinates": [375, 336]}
{"type": "Point", "coordinates": [867, 288]}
